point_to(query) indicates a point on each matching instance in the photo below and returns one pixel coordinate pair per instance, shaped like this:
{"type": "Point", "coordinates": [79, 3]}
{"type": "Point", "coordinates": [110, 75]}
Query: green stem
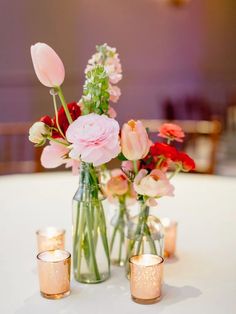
{"type": "Point", "coordinates": [91, 245]}
{"type": "Point", "coordinates": [64, 104]}
{"type": "Point", "coordinates": [177, 170]}
{"type": "Point", "coordinates": [104, 233]}
{"type": "Point", "coordinates": [159, 162]}
{"type": "Point", "coordinates": [119, 222]}
{"type": "Point", "coordinates": [122, 237]}
{"type": "Point", "coordinates": [78, 238]}
{"type": "Point", "coordinates": [56, 114]}
{"type": "Point", "coordinates": [135, 167]}
{"type": "Point", "coordinates": [56, 141]}
{"type": "Point", "coordinates": [113, 237]}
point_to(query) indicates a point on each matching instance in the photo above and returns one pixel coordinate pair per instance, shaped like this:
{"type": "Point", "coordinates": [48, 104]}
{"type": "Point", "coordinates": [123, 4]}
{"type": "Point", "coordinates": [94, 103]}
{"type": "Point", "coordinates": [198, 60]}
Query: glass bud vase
{"type": "Point", "coordinates": [91, 261]}
{"type": "Point", "coordinates": [144, 234]}
{"type": "Point", "coordinates": [117, 239]}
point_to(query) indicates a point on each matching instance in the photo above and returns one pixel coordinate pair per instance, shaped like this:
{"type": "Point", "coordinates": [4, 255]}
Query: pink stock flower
{"type": "Point", "coordinates": [172, 132]}
{"type": "Point", "coordinates": [153, 185]}
{"type": "Point", "coordinates": [134, 140]}
{"type": "Point", "coordinates": [114, 93]}
{"type": "Point", "coordinates": [94, 138]}
{"type": "Point", "coordinates": [111, 112]}
{"type": "Point", "coordinates": [113, 68]}
{"type": "Point", "coordinates": [47, 65]}
{"type": "Point", "coordinates": [54, 155]}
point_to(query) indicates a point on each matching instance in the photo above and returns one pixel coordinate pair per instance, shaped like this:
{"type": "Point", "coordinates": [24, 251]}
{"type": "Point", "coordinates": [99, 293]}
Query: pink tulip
{"type": "Point", "coordinates": [134, 140]}
{"type": "Point", "coordinates": [47, 65]}
{"type": "Point", "coordinates": [154, 184]}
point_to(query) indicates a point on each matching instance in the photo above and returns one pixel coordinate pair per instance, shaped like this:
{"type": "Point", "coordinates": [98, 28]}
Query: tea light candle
{"type": "Point", "coordinates": [170, 231]}
{"type": "Point", "coordinates": [146, 272]}
{"type": "Point", "coordinates": [50, 238]}
{"type": "Point", "coordinates": [54, 273]}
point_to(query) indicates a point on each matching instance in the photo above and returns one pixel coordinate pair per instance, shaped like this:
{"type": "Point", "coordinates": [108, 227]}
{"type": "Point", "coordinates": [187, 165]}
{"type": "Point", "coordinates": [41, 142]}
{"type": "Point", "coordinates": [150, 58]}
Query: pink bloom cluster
{"type": "Point", "coordinates": [94, 138]}
{"type": "Point", "coordinates": [109, 58]}
{"type": "Point", "coordinates": [147, 163]}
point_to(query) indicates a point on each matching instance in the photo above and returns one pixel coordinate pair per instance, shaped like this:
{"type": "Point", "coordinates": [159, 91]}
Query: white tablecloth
{"type": "Point", "coordinates": [202, 279]}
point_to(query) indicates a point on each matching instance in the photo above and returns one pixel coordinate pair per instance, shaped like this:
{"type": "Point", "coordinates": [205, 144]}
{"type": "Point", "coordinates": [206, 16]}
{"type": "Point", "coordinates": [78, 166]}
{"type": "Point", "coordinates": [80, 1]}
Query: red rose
{"type": "Point", "coordinates": [187, 162]}
{"type": "Point", "coordinates": [75, 112]}
{"type": "Point", "coordinates": [162, 149]}
{"type": "Point", "coordinates": [47, 120]}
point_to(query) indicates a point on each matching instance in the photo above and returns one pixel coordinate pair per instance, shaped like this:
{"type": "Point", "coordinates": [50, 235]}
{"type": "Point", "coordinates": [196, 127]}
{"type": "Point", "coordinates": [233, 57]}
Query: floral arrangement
{"type": "Point", "coordinates": [146, 166]}
{"type": "Point", "coordinates": [86, 135]}
{"type": "Point", "coordinates": [96, 129]}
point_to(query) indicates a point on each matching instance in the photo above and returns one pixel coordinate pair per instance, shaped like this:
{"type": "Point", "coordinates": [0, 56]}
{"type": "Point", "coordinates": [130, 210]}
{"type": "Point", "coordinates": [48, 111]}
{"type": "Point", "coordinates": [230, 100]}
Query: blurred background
{"type": "Point", "coordinates": [178, 59]}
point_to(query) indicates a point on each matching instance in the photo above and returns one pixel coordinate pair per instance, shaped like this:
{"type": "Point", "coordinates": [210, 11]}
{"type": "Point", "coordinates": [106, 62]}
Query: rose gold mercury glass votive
{"type": "Point", "coordinates": [170, 235]}
{"type": "Point", "coordinates": [50, 238]}
{"type": "Point", "coordinates": [54, 273]}
{"type": "Point", "coordinates": [146, 272]}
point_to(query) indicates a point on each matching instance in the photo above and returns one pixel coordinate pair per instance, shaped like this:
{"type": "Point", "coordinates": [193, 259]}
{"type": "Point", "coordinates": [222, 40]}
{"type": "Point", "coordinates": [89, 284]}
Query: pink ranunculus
{"type": "Point", "coordinates": [172, 132]}
{"type": "Point", "coordinates": [47, 65]}
{"type": "Point", "coordinates": [94, 138]}
{"type": "Point", "coordinates": [118, 185]}
{"type": "Point", "coordinates": [114, 93]}
{"type": "Point", "coordinates": [54, 155]}
{"type": "Point", "coordinates": [154, 184]}
{"type": "Point", "coordinates": [111, 112]}
{"type": "Point", "coordinates": [134, 140]}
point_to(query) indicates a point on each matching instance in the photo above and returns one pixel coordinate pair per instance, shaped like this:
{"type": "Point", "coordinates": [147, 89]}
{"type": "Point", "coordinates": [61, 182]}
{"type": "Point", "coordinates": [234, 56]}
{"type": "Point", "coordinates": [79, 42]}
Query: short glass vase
{"type": "Point", "coordinates": [144, 234]}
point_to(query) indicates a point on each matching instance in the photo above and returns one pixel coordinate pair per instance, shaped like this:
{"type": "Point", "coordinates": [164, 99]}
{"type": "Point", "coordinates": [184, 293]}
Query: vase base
{"type": "Point", "coordinates": [55, 296]}
{"type": "Point", "coordinates": [146, 301]}
{"type": "Point", "coordinates": [87, 278]}
{"type": "Point", "coordinates": [117, 262]}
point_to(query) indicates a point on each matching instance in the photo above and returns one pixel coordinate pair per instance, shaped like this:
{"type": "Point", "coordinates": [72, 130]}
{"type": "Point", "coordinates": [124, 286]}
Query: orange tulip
{"type": "Point", "coordinates": [134, 140]}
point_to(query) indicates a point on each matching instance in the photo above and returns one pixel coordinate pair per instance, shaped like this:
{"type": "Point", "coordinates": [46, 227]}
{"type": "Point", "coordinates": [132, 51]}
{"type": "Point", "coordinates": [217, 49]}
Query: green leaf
{"type": "Point", "coordinates": [121, 157]}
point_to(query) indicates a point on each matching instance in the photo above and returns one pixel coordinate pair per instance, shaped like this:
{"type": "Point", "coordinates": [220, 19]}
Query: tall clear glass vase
{"type": "Point", "coordinates": [144, 234]}
{"type": "Point", "coordinates": [117, 239]}
{"type": "Point", "coordinates": [91, 261]}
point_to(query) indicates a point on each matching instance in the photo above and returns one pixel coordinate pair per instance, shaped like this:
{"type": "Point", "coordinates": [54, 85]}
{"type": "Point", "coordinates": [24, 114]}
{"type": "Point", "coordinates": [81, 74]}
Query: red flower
{"type": "Point", "coordinates": [187, 163]}
{"type": "Point", "coordinates": [162, 149]}
{"type": "Point", "coordinates": [172, 132]}
{"type": "Point", "coordinates": [149, 162]}
{"type": "Point", "coordinates": [47, 120]}
{"type": "Point", "coordinates": [75, 112]}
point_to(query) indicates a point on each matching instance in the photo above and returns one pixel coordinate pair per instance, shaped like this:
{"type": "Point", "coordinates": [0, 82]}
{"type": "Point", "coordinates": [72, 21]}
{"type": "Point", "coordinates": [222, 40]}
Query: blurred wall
{"type": "Point", "coordinates": [165, 51]}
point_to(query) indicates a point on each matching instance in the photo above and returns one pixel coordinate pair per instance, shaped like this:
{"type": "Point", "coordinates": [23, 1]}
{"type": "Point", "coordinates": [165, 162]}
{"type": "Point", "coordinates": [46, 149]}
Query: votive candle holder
{"type": "Point", "coordinates": [50, 238]}
{"type": "Point", "coordinates": [146, 276]}
{"type": "Point", "coordinates": [54, 273]}
{"type": "Point", "coordinates": [170, 236]}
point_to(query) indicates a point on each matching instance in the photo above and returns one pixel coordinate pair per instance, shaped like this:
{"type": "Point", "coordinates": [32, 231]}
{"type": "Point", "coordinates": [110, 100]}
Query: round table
{"type": "Point", "coordinates": [201, 279]}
